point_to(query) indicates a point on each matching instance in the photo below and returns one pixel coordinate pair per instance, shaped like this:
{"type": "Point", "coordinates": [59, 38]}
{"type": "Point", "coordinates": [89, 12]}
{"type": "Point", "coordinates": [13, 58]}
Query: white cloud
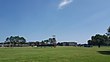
{"type": "Point", "coordinates": [64, 3]}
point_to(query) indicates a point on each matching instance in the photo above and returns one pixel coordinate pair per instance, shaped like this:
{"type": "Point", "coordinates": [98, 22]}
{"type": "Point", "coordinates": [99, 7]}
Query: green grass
{"type": "Point", "coordinates": [59, 54]}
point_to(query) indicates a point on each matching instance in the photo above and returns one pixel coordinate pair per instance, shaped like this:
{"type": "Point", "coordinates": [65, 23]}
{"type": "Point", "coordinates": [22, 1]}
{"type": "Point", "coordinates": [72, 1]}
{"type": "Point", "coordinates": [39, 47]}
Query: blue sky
{"type": "Point", "coordinates": [69, 20]}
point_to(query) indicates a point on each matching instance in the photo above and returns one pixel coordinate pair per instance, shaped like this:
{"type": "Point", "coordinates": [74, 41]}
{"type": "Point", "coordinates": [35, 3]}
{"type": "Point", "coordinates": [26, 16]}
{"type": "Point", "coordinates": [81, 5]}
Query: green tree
{"type": "Point", "coordinates": [13, 40]}
{"type": "Point", "coordinates": [99, 40]}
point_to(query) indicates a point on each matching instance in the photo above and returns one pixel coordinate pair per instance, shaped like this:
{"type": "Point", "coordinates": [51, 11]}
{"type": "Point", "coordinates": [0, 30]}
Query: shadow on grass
{"type": "Point", "coordinates": [104, 52]}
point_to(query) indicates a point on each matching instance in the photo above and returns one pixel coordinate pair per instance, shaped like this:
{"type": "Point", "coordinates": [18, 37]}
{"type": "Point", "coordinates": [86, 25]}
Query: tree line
{"type": "Point", "coordinates": [17, 41]}
{"type": "Point", "coordinates": [98, 39]}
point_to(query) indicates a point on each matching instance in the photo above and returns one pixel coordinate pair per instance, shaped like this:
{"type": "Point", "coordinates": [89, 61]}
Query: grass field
{"type": "Point", "coordinates": [59, 54]}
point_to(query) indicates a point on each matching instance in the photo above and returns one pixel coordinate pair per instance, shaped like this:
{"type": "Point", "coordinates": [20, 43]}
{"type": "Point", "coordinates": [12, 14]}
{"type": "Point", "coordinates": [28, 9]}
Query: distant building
{"type": "Point", "coordinates": [1, 44]}
{"type": "Point", "coordinates": [67, 43]}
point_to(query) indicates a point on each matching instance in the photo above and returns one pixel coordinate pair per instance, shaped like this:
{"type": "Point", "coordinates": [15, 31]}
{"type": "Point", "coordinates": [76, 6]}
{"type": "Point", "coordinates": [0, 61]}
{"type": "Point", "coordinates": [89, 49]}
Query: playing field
{"type": "Point", "coordinates": [59, 54]}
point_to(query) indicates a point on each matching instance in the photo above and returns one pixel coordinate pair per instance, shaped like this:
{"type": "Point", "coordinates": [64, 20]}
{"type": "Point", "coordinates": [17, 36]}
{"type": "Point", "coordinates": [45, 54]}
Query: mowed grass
{"type": "Point", "coordinates": [59, 54]}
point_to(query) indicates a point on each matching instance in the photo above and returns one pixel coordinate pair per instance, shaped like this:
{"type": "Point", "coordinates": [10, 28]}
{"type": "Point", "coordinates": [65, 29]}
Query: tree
{"type": "Point", "coordinates": [52, 40]}
{"type": "Point", "coordinates": [99, 40]}
{"type": "Point", "coordinates": [108, 31]}
{"type": "Point", "coordinates": [13, 40]}
{"type": "Point", "coordinates": [7, 40]}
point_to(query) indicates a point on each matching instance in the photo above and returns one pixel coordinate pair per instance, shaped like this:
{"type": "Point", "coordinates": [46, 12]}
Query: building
{"type": "Point", "coordinates": [67, 43]}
